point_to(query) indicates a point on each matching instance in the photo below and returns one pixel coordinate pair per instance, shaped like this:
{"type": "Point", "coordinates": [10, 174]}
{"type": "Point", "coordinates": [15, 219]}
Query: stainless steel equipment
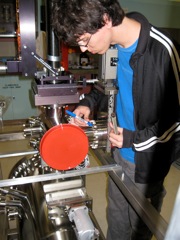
{"type": "Point", "coordinates": [57, 208]}
{"type": "Point", "coordinates": [36, 201]}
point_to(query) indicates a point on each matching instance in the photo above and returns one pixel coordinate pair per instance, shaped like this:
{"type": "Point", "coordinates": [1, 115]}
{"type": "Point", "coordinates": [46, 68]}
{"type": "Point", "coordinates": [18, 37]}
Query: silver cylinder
{"type": "Point", "coordinates": [3, 68]}
{"type": "Point", "coordinates": [97, 135]}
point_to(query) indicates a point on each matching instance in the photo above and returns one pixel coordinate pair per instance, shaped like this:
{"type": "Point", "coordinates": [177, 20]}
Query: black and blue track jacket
{"type": "Point", "coordinates": [156, 98]}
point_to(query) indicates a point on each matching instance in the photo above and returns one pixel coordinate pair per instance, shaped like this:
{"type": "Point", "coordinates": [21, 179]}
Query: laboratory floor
{"type": "Point", "coordinates": [96, 184]}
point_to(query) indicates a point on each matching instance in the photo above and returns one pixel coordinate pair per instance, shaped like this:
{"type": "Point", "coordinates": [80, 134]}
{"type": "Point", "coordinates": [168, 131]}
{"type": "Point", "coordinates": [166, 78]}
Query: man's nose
{"type": "Point", "coordinates": [83, 49]}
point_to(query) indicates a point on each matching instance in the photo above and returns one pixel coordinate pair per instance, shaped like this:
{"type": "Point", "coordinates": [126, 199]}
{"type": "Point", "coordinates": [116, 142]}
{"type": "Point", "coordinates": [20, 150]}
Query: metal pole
{"type": "Point", "coordinates": [17, 154]}
{"type": "Point", "coordinates": [57, 175]}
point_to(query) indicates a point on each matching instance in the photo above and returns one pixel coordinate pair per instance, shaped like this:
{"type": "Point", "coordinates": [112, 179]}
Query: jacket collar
{"type": "Point", "coordinates": [144, 33]}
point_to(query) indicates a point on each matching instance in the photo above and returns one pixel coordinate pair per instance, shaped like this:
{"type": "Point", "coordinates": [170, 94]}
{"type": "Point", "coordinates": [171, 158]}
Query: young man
{"type": "Point", "coordinates": [147, 104]}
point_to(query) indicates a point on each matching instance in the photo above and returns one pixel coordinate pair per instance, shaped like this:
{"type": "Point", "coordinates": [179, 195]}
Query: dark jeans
{"type": "Point", "coordinates": [123, 221]}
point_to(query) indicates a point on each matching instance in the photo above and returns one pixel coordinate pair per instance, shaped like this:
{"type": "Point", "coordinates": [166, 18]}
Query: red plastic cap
{"type": "Point", "coordinates": [64, 147]}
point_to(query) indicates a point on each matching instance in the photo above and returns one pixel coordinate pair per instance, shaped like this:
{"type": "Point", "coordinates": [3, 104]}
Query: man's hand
{"type": "Point", "coordinates": [116, 139]}
{"type": "Point", "coordinates": [83, 112]}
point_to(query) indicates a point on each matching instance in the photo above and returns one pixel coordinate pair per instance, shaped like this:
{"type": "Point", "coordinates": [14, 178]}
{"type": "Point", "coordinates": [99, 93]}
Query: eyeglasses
{"type": "Point", "coordinates": [86, 42]}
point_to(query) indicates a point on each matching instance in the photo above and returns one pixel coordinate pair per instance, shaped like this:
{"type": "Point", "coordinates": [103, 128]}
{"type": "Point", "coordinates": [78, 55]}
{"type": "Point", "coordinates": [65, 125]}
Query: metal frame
{"type": "Point", "coordinates": [26, 64]}
{"type": "Point", "coordinates": [28, 35]}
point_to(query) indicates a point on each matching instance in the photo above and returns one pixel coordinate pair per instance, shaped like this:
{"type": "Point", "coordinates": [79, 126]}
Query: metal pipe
{"type": "Point", "coordinates": [53, 51]}
{"type": "Point", "coordinates": [8, 35]}
{"type": "Point", "coordinates": [57, 175]}
{"type": "Point", "coordinates": [17, 154]}
{"type": "Point", "coordinates": [11, 136]}
{"type": "Point", "coordinates": [3, 68]}
{"type": "Point", "coordinates": [114, 122]}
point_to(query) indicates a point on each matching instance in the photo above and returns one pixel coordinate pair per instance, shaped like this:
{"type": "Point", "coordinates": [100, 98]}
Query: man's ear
{"type": "Point", "coordinates": [107, 20]}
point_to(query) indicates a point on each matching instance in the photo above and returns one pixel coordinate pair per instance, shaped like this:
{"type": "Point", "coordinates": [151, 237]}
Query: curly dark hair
{"type": "Point", "coordinates": [73, 18]}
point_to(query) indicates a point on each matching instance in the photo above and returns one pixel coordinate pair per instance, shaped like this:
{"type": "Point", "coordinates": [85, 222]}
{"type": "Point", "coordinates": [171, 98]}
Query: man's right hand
{"type": "Point", "coordinates": [83, 112]}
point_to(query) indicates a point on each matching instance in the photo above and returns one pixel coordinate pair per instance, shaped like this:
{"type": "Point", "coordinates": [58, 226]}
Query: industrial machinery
{"type": "Point", "coordinates": [39, 201]}
{"type": "Point", "coordinates": [57, 207]}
